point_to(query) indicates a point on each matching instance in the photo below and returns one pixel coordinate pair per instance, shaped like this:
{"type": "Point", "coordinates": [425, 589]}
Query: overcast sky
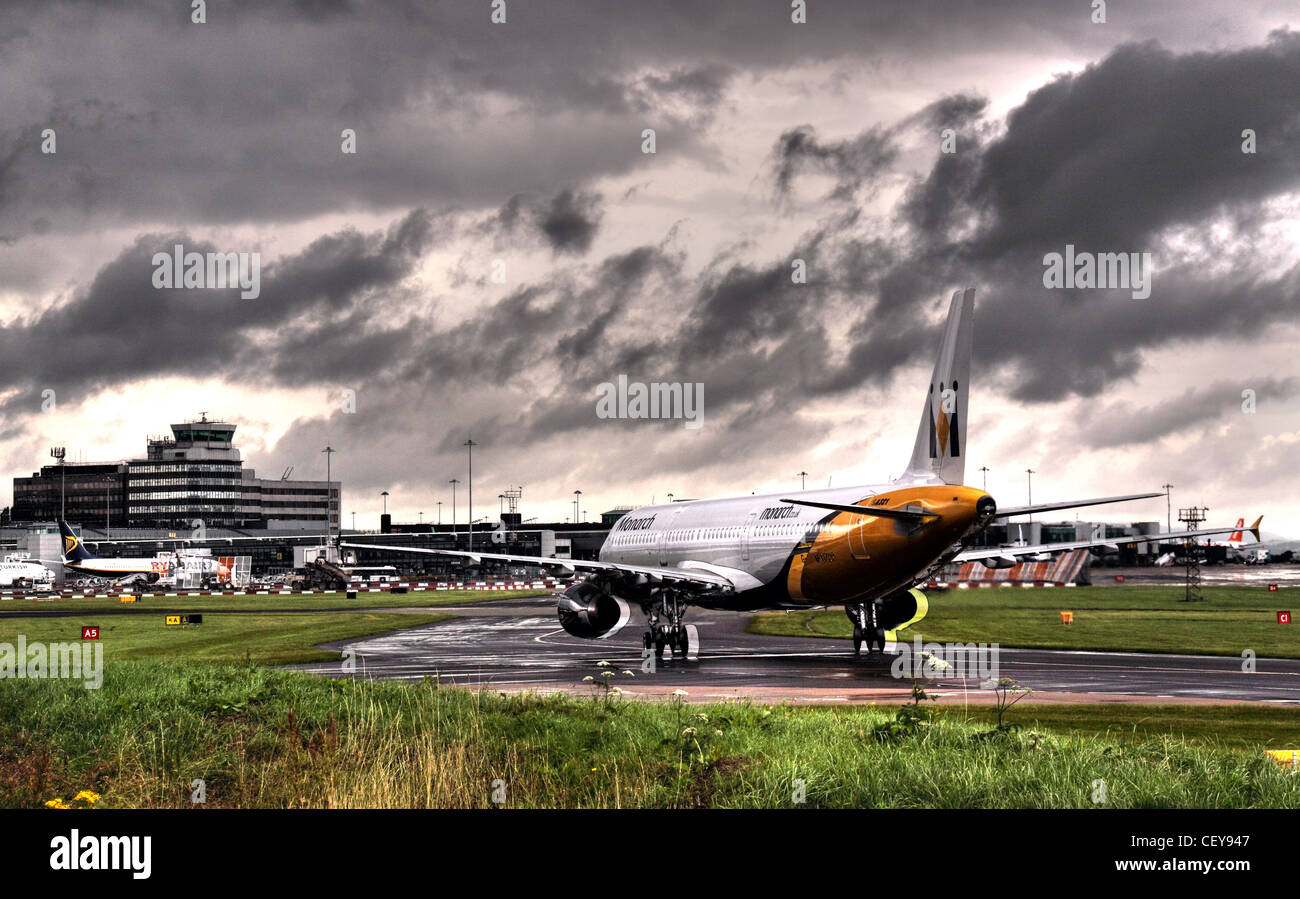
{"type": "Point", "coordinates": [521, 144]}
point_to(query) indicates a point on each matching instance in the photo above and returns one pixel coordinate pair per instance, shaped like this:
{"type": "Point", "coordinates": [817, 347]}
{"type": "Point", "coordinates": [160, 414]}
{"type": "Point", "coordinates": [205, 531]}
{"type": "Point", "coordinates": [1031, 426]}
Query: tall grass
{"type": "Point", "coordinates": [260, 737]}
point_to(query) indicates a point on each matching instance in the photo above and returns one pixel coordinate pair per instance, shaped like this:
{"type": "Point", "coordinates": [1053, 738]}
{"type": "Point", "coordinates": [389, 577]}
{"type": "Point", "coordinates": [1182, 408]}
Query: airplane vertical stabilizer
{"type": "Point", "coordinates": [939, 455]}
{"type": "Point", "coordinates": [73, 551]}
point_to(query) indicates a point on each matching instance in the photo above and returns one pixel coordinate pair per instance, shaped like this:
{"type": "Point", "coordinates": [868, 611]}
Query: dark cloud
{"type": "Point", "coordinates": [1140, 141]}
{"type": "Point", "coordinates": [1124, 424]}
{"type": "Point", "coordinates": [567, 221]}
{"type": "Point", "coordinates": [201, 332]}
{"type": "Point", "coordinates": [512, 128]}
{"type": "Point", "coordinates": [851, 163]}
{"type": "Point", "coordinates": [239, 119]}
{"type": "Point", "coordinates": [1113, 159]}
{"type": "Point", "coordinates": [570, 222]}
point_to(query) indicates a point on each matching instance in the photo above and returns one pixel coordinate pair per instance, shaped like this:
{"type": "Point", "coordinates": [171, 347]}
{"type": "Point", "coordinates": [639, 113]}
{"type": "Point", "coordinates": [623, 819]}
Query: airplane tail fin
{"type": "Point", "coordinates": [73, 551]}
{"type": "Point", "coordinates": [939, 455]}
{"type": "Point", "coordinates": [1236, 536]}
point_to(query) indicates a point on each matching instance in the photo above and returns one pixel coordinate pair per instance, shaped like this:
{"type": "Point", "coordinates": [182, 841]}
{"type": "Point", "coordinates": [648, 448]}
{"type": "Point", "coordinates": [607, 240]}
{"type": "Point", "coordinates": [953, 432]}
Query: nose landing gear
{"type": "Point", "coordinates": [666, 631]}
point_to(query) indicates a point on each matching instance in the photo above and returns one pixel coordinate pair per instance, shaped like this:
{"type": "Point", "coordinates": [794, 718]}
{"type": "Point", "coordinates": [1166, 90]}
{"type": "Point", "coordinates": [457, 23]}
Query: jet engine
{"type": "Point", "coordinates": [587, 611]}
{"type": "Point", "coordinates": [999, 561]}
{"type": "Point", "coordinates": [901, 609]}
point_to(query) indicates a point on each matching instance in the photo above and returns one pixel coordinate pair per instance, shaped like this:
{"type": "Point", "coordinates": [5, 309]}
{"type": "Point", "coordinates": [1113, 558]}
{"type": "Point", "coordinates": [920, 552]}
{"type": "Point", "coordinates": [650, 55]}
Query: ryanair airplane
{"type": "Point", "coordinates": [864, 548]}
{"type": "Point", "coordinates": [161, 568]}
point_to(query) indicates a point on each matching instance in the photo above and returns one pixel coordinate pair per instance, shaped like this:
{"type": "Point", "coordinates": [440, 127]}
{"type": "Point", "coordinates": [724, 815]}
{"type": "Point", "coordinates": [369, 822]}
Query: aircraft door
{"type": "Point", "coordinates": [663, 545]}
{"type": "Point", "coordinates": [857, 534]}
{"type": "Point", "coordinates": [744, 535]}
{"type": "Point", "coordinates": [858, 537]}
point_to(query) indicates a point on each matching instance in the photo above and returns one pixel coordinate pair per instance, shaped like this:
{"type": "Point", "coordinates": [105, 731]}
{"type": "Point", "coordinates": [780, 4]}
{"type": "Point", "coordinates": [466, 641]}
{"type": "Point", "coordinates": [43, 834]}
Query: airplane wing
{"type": "Point", "coordinates": [692, 575]}
{"type": "Point", "coordinates": [1070, 504]}
{"type": "Point", "coordinates": [1012, 553]}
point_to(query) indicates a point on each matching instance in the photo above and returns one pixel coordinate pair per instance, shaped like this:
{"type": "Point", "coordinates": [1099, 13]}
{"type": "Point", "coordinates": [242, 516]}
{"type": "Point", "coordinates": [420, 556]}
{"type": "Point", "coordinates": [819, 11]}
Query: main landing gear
{"type": "Point", "coordinates": [666, 630]}
{"type": "Point", "coordinates": [866, 626]}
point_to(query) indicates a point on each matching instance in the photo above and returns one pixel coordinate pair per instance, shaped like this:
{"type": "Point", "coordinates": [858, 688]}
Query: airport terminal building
{"type": "Point", "coordinates": [195, 474]}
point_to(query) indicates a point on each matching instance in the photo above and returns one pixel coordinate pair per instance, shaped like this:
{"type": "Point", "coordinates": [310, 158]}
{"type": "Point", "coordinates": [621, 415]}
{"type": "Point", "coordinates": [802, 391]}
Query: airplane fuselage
{"type": "Point", "coordinates": [12, 573]}
{"type": "Point", "coordinates": [784, 554]}
{"type": "Point", "coordinates": [120, 567]}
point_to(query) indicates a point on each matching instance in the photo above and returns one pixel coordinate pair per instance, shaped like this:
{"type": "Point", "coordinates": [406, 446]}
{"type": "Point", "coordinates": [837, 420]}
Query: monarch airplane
{"type": "Point", "coordinates": [864, 548]}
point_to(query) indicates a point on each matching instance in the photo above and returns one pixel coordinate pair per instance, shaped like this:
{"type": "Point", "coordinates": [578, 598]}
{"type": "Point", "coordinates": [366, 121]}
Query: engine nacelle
{"type": "Point", "coordinates": [999, 562]}
{"type": "Point", "coordinates": [903, 609]}
{"type": "Point", "coordinates": [589, 612]}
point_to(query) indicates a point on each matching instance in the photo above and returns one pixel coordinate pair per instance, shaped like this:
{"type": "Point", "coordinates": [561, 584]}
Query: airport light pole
{"type": "Point", "coordinates": [470, 444]}
{"type": "Point", "coordinates": [453, 482]}
{"type": "Point", "coordinates": [985, 470]}
{"type": "Point", "coordinates": [329, 452]}
{"type": "Point", "coordinates": [439, 513]}
{"type": "Point", "coordinates": [1169, 514]}
{"type": "Point", "coordinates": [59, 452]}
{"type": "Point", "coordinates": [1030, 472]}
{"type": "Point", "coordinates": [577, 505]}
{"type": "Point", "coordinates": [802, 476]}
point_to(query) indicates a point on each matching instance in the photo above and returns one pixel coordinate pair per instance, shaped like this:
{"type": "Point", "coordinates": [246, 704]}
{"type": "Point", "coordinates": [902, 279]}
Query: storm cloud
{"type": "Point", "coordinates": [779, 148]}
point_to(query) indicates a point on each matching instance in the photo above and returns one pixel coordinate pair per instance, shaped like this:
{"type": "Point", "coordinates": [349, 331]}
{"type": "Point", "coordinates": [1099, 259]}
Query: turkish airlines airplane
{"type": "Point", "coordinates": [16, 572]}
{"type": "Point", "coordinates": [864, 548]}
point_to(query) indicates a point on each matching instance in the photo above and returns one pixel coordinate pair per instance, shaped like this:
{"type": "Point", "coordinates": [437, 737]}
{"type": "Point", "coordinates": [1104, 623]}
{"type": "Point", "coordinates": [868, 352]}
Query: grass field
{"type": "Point", "coordinates": [1247, 726]}
{"type": "Point", "coordinates": [1123, 618]}
{"type": "Point", "coordinates": [430, 598]}
{"type": "Point", "coordinates": [273, 638]}
{"type": "Point", "coordinates": [185, 704]}
{"type": "Point", "coordinates": [264, 737]}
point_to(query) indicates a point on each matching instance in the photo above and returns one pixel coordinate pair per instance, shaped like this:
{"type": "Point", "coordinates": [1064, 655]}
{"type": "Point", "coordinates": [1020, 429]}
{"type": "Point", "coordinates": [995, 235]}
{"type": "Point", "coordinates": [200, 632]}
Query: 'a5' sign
{"type": "Point", "coordinates": [90, 632]}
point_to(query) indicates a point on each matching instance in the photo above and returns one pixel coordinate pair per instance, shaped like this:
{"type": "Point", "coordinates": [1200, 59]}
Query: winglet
{"type": "Point", "coordinates": [1254, 528]}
